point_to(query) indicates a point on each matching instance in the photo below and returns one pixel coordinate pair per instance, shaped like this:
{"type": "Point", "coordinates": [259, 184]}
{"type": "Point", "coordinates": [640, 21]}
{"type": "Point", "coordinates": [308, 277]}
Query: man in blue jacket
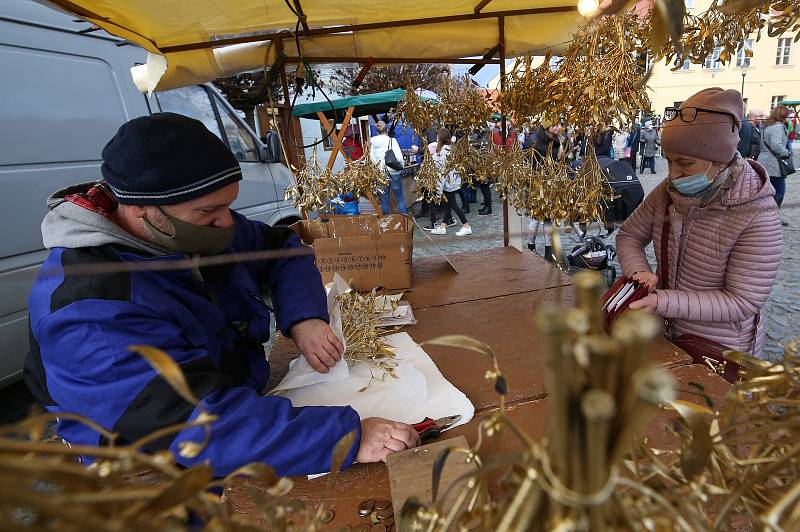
{"type": "Point", "coordinates": [166, 195]}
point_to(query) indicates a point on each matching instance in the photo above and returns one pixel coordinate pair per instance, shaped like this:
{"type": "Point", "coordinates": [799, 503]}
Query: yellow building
{"type": "Point", "coordinates": [770, 75]}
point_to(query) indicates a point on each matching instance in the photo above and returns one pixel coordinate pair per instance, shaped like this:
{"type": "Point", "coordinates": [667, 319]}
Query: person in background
{"type": "Point", "coordinates": [749, 145]}
{"type": "Point", "coordinates": [351, 146]}
{"type": "Point", "coordinates": [650, 142]}
{"type": "Point", "coordinates": [714, 226]}
{"type": "Point", "coordinates": [449, 186]}
{"type": "Point", "coordinates": [634, 138]}
{"type": "Point", "coordinates": [620, 145]}
{"type": "Point", "coordinates": [773, 145]}
{"type": "Point", "coordinates": [379, 145]}
{"type": "Point", "coordinates": [603, 143]}
{"type": "Point", "coordinates": [791, 124]}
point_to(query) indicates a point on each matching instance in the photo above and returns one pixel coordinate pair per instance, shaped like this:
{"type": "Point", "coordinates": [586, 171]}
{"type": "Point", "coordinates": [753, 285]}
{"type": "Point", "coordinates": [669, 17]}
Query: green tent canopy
{"type": "Point", "coordinates": [364, 104]}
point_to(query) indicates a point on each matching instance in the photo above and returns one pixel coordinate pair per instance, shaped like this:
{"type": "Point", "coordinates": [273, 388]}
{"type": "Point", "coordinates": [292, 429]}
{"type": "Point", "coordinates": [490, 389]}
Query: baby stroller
{"type": "Point", "coordinates": [592, 252]}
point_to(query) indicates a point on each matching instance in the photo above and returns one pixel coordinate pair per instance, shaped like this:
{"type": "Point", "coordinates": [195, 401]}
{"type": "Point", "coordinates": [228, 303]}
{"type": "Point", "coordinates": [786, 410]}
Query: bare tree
{"type": "Point", "coordinates": [384, 78]}
{"type": "Point", "coordinates": [245, 91]}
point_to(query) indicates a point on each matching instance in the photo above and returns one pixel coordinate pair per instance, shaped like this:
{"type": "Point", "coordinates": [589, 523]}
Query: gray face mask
{"type": "Point", "coordinates": [191, 238]}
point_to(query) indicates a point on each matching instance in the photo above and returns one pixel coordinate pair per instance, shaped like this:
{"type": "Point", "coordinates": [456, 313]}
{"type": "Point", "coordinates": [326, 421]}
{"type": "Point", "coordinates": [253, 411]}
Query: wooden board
{"type": "Point", "coordinates": [410, 471]}
{"type": "Point", "coordinates": [371, 481]}
{"type": "Point", "coordinates": [483, 274]}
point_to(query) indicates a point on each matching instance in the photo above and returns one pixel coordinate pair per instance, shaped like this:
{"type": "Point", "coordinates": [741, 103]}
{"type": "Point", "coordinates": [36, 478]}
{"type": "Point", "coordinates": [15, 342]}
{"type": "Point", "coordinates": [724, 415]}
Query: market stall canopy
{"type": "Point", "coordinates": [192, 41]}
{"type": "Point", "coordinates": [365, 104]}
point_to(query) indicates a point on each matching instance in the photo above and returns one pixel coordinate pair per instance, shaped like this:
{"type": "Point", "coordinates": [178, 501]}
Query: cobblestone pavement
{"type": "Point", "coordinates": [781, 314]}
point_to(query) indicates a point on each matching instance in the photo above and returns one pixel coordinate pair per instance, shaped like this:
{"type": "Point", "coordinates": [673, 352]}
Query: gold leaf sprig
{"type": "Point", "coordinates": [549, 189]}
{"type": "Point", "coordinates": [429, 178]}
{"type": "Point", "coordinates": [364, 340]}
{"type": "Point", "coordinates": [363, 177]}
{"type": "Point", "coordinates": [576, 91]}
{"type": "Point", "coordinates": [314, 186]}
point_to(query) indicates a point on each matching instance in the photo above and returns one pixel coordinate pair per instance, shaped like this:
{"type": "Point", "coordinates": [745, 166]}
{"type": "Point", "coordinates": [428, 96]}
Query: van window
{"type": "Point", "coordinates": [192, 102]}
{"type": "Point", "coordinates": [241, 142]}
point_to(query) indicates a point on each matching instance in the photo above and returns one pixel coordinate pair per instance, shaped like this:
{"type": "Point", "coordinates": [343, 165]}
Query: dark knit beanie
{"type": "Point", "coordinates": [166, 158]}
{"type": "Point", "coordinates": [711, 136]}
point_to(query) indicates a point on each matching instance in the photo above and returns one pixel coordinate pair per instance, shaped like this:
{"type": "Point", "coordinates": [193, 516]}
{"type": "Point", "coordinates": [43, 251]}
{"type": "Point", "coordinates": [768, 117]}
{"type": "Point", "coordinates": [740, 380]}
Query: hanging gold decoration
{"type": "Point", "coordinates": [362, 177]}
{"type": "Point", "coordinates": [315, 187]}
{"type": "Point", "coordinates": [576, 91]}
{"type": "Point", "coordinates": [429, 180]}
{"type": "Point", "coordinates": [551, 190]}
{"type": "Point", "coordinates": [460, 107]}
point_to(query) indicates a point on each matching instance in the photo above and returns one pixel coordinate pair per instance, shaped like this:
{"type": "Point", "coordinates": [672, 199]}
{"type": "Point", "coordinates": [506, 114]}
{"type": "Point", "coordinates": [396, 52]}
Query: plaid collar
{"type": "Point", "coordinates": [98, 198]}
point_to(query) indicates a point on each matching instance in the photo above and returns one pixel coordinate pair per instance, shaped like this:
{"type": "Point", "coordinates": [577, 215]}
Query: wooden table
{"type": "Point", "coordinates": [493, 298]}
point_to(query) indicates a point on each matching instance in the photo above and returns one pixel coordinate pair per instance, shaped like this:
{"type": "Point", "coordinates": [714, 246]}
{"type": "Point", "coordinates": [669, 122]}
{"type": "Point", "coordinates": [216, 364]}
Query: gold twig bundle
{"type": "Point", "coordinates": [365, 342]}
{"type": "Point", "coordinates": [429, 178]}
{"type": "Point", "coordinates": [460, 107]}
{"type": "Point", "coordinates": [601, 395]}
{"type": "Point", "coordinates": [576, 91]}
{"type": "Point", "coordinates": [315, 187]}
{"type": "Point", "coordinates": [551, 190]}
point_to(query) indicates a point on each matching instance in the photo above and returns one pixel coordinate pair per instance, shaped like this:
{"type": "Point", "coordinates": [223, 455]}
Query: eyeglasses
{"type": "Point", "coordinates": [688, 114]}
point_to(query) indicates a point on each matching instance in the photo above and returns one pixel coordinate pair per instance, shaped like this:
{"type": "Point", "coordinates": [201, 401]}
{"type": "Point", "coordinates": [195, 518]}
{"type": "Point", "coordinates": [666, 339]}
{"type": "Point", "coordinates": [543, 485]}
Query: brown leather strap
{"type": "Point", "coordinates": [665, 234]}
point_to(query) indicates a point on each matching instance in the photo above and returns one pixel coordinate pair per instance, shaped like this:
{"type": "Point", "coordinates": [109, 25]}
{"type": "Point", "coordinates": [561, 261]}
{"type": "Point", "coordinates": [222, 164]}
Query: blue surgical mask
{"type": "Point", "coordinates": [693, 185]}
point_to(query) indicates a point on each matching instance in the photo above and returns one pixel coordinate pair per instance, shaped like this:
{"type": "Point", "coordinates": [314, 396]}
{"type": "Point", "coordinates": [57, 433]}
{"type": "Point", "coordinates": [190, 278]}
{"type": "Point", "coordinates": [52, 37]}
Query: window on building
{"type": "Point", "coordinates": [689, 4]}
{"type": "Point", "coordinates": [686, 65]}
{"type": "Point", "coordinates": [712, 61]}
{"type": "Point", "coordinates": [745, 54]}
{"type": "Point", "coordinates": [784, 49]}
{"type": "Point", "coordinates": [776, 100]}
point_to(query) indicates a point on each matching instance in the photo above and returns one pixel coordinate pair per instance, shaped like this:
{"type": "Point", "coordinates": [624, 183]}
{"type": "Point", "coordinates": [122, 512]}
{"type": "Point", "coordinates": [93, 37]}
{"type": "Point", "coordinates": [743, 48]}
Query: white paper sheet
{"type": "Point", "coordinates": [420, 391]}
{"type": "Point", "coordinates": [402, 315]}
{"type": "Point", "coordinates": [300, 371]}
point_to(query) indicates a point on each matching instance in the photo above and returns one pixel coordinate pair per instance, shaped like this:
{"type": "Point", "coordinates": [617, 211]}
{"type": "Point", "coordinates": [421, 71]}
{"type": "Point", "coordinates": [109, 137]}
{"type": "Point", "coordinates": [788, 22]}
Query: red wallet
{"type": "Point", "coordinates": [617, 299]}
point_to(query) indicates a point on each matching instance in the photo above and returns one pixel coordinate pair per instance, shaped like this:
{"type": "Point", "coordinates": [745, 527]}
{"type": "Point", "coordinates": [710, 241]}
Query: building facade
{"type": "Point", "coordinates": [770, 75]}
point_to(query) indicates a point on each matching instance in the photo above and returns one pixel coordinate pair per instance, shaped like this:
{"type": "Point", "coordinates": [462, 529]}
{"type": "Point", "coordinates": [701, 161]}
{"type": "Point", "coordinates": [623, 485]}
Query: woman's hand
{"type": "Point", "coordinates": [648, 303]}
{"type": "Point", "coordinates": [646, 278]}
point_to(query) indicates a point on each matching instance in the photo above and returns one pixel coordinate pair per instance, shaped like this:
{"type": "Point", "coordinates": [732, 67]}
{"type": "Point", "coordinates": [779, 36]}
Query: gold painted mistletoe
{"type": "Point", "coordinates": [549, 189]}
{"type": "Point", "coordinates": [460, 107]}
{"type": "Point", "coordinates": [316, 187]}
{"type": "Point", "coordinates": [596, 83]}
{"type": "Point", "coordinates": [364, 341]}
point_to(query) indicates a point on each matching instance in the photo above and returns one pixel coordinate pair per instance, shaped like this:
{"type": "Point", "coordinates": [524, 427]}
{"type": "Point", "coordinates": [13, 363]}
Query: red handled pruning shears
{"type": "Point", "coordinates": [429, 429]}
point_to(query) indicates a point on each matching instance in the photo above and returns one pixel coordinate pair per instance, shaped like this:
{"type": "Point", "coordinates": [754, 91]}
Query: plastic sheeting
{"type": "Point", "coordinates": [156, 25]}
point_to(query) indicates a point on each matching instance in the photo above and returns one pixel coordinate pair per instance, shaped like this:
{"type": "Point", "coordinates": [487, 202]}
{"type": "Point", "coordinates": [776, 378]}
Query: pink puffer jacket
{"type": "Point", "coordinates": [723, 257]}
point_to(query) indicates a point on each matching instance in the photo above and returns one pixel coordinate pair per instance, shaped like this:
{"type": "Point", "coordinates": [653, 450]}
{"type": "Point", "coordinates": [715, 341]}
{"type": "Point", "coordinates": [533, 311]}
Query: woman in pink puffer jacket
{"type": "Point", "coordinates": [725, 237]}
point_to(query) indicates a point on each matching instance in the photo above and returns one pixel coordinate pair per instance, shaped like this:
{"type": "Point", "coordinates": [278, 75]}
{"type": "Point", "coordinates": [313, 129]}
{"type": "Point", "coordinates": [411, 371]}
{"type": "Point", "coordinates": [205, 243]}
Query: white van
{"type": "Point", "coordinates": [65, 92]}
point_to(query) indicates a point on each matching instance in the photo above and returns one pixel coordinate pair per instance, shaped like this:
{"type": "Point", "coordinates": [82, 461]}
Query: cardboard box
{"type": "Point", "coordinates": [367, 250]}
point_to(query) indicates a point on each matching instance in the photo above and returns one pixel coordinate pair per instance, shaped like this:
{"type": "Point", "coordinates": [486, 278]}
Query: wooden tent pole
{"type": "Point", "coordinates": [337, 137]}
{"type": "Point", "coordinates": [501, 26]}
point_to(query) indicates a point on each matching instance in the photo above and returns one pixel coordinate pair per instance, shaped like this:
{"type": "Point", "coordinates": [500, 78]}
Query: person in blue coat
{"type": "Point", "coordinates": [166, 195]}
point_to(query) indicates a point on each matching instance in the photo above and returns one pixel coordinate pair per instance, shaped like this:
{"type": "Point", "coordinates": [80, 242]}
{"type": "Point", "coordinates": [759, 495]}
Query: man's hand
{"type": "Point", "coordinates": [381, 437]}
{"type": "Point", "coordinates": [648, 303]}
{"type": "Point", "coordinates": [646, 278]}
{"type": "Point", "coordinates": [318, 343]}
